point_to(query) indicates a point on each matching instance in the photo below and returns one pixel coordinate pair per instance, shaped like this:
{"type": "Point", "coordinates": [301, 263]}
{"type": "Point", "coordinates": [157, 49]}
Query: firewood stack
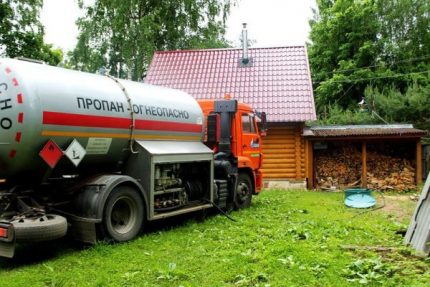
{"type": "Point", "coordinates": [338, 168]}
{"type": "Point", "coordinates": [389, 173]}
{"type": "Point", "coordinates": [341, 168]}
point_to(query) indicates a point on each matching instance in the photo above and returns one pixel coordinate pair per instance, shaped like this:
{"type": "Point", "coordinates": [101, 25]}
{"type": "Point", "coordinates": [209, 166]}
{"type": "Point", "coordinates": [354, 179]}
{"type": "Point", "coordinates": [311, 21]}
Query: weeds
{"type": "Point", "coordinates": [367, 271]}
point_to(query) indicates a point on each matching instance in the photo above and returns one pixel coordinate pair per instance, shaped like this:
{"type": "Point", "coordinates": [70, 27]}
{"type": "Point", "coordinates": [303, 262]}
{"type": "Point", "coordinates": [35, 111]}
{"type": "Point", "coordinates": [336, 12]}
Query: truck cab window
{"type": "Point", "coordinates": [248, 124]}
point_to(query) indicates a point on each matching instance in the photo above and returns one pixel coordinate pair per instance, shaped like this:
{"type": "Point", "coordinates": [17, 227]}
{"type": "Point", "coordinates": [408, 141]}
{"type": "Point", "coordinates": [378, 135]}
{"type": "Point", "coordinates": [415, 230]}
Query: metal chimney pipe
{"type": "Point", "coordinates": [245, 58]}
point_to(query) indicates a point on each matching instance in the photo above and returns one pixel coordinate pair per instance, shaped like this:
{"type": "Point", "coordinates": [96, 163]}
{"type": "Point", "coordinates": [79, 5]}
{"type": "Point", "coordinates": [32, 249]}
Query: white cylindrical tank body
{"type": "Point", "coordinates": [40, 102]}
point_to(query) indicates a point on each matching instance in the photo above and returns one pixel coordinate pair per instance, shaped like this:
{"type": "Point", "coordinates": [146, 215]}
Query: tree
{"type": "Point", "coordinates": [412, 106]}
{"type": "Point", "coordinates": [122, 35]}
{"type": "Point", "coordinates": [343, 38]}
{"type": "Point", "coordinates": [378, 46]}
{"type": "Point", "coordinates": [21, 33]}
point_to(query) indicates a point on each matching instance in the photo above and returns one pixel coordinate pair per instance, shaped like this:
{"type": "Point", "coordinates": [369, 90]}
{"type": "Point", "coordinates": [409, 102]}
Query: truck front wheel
{"type": "Point", "coordinates": [244, 191]}
{"type": "Point", "coordinates": [123, 215]}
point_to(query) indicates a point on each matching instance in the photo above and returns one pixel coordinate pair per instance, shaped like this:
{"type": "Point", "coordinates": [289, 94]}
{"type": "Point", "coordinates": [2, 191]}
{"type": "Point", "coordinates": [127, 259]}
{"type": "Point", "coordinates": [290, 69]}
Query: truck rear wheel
{"type": "Point", "coordinates": [123, 215]}
{"type": "Point", "coordinates": [42, 228]}
{"type": "Point", "coordinates": [244, 191]}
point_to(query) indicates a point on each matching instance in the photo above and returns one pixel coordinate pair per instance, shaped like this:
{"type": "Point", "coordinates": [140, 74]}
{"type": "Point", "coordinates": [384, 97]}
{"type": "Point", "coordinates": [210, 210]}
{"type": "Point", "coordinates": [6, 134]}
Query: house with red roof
{"type": "Point", "coordinates": [274, 80]}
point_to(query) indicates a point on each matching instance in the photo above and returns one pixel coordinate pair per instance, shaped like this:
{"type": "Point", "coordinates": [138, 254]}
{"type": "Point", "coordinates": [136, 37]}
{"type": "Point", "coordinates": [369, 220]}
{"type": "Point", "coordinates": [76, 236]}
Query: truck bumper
{"type": "Point", "coordinates": [7, 240]}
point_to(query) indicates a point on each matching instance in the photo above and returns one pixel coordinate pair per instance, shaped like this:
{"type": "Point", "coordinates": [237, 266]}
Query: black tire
{"type": "Point", "coordinates": [123, 215]}
{"type": "Point", "coordinates": [243, 192]}
{"type": "Point", "coordinates": [37, 229]}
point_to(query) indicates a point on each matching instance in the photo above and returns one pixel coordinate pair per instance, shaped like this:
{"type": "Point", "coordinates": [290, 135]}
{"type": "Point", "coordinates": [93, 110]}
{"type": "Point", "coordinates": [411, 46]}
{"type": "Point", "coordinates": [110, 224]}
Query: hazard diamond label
{"type": "Point", "coordinates": [51, 153]}
{"type": "Point", "coordinates": [75, 152]}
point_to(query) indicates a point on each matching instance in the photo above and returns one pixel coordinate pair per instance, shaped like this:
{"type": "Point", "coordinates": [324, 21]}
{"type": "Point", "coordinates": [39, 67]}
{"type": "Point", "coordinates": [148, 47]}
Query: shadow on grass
{"type": "Point", "coordinates": [31, 254]}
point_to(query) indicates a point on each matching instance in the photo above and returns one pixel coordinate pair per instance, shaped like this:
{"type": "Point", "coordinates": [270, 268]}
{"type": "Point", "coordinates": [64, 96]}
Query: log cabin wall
{"type": "Point", "coordinates": [284, 152]}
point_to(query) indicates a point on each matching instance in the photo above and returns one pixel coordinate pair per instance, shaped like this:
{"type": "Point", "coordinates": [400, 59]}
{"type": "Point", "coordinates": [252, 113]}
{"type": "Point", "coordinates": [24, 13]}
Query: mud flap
{"type": "Point", "coordinates": [7, 243]}
{"type": "Point", "coordinates": [84, 231]}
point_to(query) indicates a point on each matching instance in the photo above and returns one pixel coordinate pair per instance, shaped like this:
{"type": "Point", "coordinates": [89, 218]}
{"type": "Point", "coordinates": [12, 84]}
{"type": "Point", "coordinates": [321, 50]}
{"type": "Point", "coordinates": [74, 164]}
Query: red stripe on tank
{"type": "Point", "coordinates": [20, 118]}
{"type": "Point", "coordinates": [8, 70]}
{"type": "Point", "coordinates": [19, 98]}
{"type": "Point", "coordinates": [18, 137]}
{"type": "Point", "coordinates": [15, 82]}
{"type": "Point", "coordinates": [79, 120]}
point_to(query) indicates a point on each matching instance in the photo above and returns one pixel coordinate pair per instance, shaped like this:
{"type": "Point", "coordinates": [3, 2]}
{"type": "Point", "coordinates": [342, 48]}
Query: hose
{"type": "Point", "coordinates": [220, 210]}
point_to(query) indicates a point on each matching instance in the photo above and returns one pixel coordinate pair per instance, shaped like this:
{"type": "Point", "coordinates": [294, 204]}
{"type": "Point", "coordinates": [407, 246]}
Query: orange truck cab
{"type": "Point", "coordinates": [232, 133]}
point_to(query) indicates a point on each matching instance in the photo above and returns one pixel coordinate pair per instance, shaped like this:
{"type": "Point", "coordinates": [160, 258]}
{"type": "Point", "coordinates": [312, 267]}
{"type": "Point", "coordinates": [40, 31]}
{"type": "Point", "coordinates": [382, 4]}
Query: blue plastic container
{"type": "Point", "coordinates": [359, 198]}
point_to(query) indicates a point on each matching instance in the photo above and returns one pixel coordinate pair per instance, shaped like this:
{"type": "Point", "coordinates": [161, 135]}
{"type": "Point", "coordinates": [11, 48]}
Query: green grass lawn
{"type": "Point", "coordinates": [286, 238]}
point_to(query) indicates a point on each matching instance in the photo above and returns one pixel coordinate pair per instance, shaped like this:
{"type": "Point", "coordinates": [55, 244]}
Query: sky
{"type": "Point", "coordinates": [271, 23]}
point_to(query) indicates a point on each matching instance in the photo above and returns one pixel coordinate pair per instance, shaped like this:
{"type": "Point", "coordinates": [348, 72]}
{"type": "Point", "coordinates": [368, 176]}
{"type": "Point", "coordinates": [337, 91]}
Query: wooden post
{"type": "Point", "coordinates": [363, 164]}
{"type": "Point", "coordinates": [419, 161]}
{"type": "Point", "coordinates": [310, 164]}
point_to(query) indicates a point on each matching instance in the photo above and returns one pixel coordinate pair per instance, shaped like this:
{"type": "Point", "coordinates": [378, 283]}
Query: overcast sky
{"type": "Point", "coordinates": [270, 22]}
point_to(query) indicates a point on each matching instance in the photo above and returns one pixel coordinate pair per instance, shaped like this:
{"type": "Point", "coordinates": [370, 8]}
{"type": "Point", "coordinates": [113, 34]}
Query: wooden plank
{"type": "Point", "coordinates": [279, 175]}
{"type": "Point", "coordinates": [298, 155]}
{"type": "Point", "coordinates": [267, 156]}
{"type": "Point", "coordinates": [310, 165]}
{"type": "Point", "coordinates": [364, 164]}
{"type": "Point", "coordinates": [278, 141]}
{"type": "Point", "coordinates": [285, 151]}
{"type": "Point", "coordinates": [419, 162]}
{"type": "Point", "coordinates": [281, 160]}
{"type": "Point", "coordinates": [279, 146]}
{"type": "Point", "coordinates": [280, 170]}
{"type": "Point", "coordinates": [274, 164]}
{"type": "Point", "coordinates": [280, 166]}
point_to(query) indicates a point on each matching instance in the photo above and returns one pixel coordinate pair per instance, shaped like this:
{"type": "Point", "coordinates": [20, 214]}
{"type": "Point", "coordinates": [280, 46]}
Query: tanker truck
{"type": "Point", "coordinates": [97, 157]}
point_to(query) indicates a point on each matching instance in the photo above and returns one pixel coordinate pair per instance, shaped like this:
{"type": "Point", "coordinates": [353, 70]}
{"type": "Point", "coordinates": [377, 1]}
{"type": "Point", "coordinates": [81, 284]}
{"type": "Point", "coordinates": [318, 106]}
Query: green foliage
{"type": "Point", "coordinates": [368, 271]}
{"type": "Point", "coordinates": [343, 38]}
{"type": "Point", "coordinates": [358, 44]}
{"type": "Point", "coordinates": [335, 115]}
{"type": "Point", "coordinates": [21, 33]}
{"type": "Point", "coordinates": [123, 35]}
{"type": "Point", "coordinates": [411, 106]}
{"type": "Point", "coordinates": [286, 238]}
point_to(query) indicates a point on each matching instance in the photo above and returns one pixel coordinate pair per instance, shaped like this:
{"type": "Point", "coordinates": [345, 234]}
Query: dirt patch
{"type": "Point", "coordinates": [400, 206]}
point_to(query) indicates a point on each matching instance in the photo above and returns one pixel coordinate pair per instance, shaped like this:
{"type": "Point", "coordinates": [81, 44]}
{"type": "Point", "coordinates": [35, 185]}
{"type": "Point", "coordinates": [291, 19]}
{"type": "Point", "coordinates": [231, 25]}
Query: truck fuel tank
{"type": "Point", "coordinates": [39, 103]}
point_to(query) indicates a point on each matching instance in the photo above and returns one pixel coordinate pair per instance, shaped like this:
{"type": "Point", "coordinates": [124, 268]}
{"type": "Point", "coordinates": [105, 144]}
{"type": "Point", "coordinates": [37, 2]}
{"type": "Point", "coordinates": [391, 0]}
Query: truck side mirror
{"type": "Point", "coordinates": [263, 123]}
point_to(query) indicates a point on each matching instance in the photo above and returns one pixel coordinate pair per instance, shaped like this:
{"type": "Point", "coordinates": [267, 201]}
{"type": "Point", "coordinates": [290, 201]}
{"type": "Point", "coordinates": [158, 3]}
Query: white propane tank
{"type": "Point", "coordinates": [39, 103]}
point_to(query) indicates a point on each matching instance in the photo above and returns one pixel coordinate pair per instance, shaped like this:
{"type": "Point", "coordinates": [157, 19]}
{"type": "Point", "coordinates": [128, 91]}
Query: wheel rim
{"type": "Point", "coordinates": [242, 192]}
{"type": "Point", "coordinates": [123, 215]}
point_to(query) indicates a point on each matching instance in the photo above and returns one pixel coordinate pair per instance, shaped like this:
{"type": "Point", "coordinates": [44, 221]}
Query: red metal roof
{"type": "Point", "coordinates": [276, 81]}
